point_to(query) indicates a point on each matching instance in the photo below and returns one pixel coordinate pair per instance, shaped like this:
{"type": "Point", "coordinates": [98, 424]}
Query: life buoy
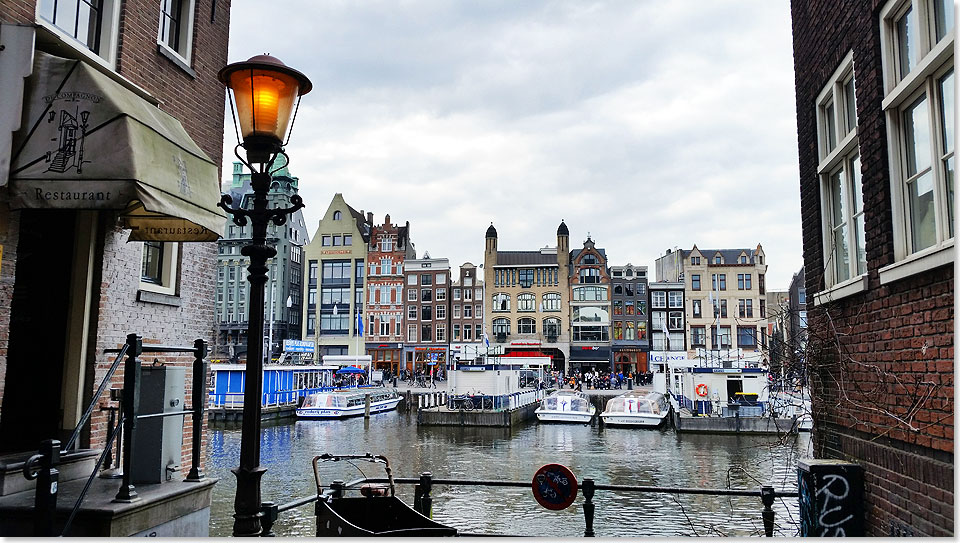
{"type": "Point", "coordinates": [702, 390]}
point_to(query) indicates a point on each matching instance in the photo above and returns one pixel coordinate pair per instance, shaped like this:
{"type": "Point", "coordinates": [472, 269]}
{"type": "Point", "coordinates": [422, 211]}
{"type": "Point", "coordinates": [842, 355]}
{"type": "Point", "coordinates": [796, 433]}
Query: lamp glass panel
{"type": "Point", "coordinates": [264, 101]}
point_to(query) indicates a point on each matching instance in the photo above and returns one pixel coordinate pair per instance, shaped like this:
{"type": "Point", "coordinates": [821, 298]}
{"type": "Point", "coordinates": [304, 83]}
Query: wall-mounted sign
{"type": "Point", "coordinates": [297, 346]}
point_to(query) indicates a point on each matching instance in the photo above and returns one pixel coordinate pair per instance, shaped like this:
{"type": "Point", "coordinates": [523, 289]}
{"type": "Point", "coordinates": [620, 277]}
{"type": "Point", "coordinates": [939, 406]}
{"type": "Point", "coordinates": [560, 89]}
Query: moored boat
{"type": "Point", "coordinates": [336, 404]}
{"type": "Point", "coordinates": [636, 409]}
{"type": "Point", "coordinates": [566, 406]}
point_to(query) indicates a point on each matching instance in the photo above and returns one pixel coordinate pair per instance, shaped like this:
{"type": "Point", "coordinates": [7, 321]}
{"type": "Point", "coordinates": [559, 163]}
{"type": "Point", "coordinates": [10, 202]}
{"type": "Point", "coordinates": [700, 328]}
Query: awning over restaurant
{"type": "Point", "coordinates": [86, 142]}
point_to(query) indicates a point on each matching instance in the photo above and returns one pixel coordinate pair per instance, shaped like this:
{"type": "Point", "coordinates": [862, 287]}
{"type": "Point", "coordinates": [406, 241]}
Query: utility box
{"type": "Point", "coordinates": [831, 498]}
{"type": "Point", "coordinates": [156, 455]}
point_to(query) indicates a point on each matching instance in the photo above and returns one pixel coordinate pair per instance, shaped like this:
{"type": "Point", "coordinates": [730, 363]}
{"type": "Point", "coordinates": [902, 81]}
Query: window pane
{"type": "Point", "coordinates": [916, 133]}
{"type": "Point", "coordinates": [949, 173]}
{"type": "Point", "coordinates": [861, 244]}
{"type": "Point", "coordinates": [831, 126]}
{"type": "Point", "coordinates": [946, 111]}
{"type": "Point", "coordinates": [841, 254]}
{"type": "Point", "coordinates": [850, 104]}
{"type": "Point", "coordinates": [838, 197]}
{"type": "Point", "coordinates": [922, 216]}
{"type": "Point", "coordinates": [907, 42]}
{"type": "Point", "coordinates": [854, 174]}
{"type": "Point", "coordinates": [944, 14]}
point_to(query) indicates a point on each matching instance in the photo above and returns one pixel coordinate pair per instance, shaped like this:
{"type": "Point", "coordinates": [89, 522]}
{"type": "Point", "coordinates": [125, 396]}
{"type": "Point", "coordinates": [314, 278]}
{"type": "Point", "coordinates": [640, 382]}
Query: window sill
{"type": "Point", "coordinates": [148, 296]}
{"type": "Point", "coordinates": [176, 59]}
{"type": "Point", "coordinates": [841, 290]}
{"type": "Point", "coordinates": [917, 263]}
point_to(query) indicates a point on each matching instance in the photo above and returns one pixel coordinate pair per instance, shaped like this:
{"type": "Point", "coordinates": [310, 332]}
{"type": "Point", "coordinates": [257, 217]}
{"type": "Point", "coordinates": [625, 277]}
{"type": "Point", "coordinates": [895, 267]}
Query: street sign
{"type": "Point", "coordinates": [554, 486]}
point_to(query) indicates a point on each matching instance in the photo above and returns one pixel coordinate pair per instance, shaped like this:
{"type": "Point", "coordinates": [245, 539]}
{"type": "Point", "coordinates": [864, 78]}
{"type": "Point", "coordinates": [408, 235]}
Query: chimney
{"type": "Point", "coordinates": [370, 217]}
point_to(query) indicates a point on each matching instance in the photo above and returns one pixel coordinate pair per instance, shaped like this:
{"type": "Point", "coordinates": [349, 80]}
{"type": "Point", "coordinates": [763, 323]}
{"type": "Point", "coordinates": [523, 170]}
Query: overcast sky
{"type": "Point", "coordinates": [647, 124]}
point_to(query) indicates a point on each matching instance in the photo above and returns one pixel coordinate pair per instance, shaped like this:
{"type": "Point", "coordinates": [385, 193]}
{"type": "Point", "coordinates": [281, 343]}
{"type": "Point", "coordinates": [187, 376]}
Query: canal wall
{"type": "Point", "coordinates": [234, 414]}
{"type": "Point", "coordinates": [734, 425]}
{"type": "Point", "coordinates": [503, 419]}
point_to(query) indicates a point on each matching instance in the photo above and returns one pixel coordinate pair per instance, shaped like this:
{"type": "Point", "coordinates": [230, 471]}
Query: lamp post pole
{"type": "Point", "coordinates": [265, 91]}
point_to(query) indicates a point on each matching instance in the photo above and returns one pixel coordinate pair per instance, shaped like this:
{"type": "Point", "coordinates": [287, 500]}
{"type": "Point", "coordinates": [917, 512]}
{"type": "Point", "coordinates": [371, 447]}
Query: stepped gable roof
{"type": "Point", "coordinates": [525, 258]}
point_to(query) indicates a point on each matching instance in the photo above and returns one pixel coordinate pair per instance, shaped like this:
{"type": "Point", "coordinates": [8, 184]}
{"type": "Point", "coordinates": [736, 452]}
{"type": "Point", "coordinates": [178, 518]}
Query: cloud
{"type": "Point", "coordinates": [648, 124]}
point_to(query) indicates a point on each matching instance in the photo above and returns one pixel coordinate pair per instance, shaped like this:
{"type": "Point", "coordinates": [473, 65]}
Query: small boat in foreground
{"type": "Point", "coordinates": [636, 409]}
{"type": "Point", "coordinates": [377, 512]}
{"type": "Point", "coordinates": [566, 406]}
{"type": "Point", "coordinates": [336, 404]}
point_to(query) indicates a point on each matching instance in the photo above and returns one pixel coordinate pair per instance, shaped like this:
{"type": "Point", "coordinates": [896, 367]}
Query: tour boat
{"type": "Point", "coordinates": [566, 406]}
{"type": "Point", "coordinates": [636, 409]}
{"type": "Point", "coordinates": [336, 404]}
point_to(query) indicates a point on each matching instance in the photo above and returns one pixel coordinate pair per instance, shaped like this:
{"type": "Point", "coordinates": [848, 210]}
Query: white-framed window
{"type": "Point", "coordinates": [527, 326]}
{"type": "Point", "coordinates": [411, 295]}
{"type": "Point", "coordinates": [160, 267]}
{"type": "Point", "coordinates": [501, 301]}
{"type": "Point", "coordinates": [551, 301]}
{"type": "Point", "coordinates": [456, 311]}
{"type": "Point", "coordinates": [919, 93]}
{"type": "Point", "coordinates": [526, 302]}
{"type": "Point", "coordinates": [676, 319]}
{"type": "Point", "coordinates": [675, 298]}
{"type": "Point", "coordinates": [659, 298]}
{"type": "Point", "coordinates": [441, 311]}
{"type": "Point", "coordinates": [441, 294]}
{"type": "Point", "coordinates": [456, 294]}
{"type": "Point", "coordinates": [839, 171]}
{"type": "Point", "coordinates": [412, 333]}
{"type": "Point", "coordinates": [91, 24]}
{"type": "Point", "coordinates": [412, 312]}
{"type": "Point", "coordinates": [468, 312]}
{"type": "Point", "coordinates": [176, 27]}
{"type": "Point", "coordinates": [441, 332]}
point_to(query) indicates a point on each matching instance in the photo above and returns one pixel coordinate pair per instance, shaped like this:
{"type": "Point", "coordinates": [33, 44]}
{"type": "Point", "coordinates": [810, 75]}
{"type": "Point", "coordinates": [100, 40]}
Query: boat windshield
{"type": "Point", "coordinates": [632, 404]}
{"type": "Point", "coordinates": [323, 400]}
{"type": "Point", "coordinates": [566, 403]}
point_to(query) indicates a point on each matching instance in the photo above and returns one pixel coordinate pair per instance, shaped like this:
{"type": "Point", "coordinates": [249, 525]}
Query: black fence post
{"type": "Point", "coordinates": [48, 477]}
{"type": "Point", "coordinates": [831, 498]}
{"type": "Point", "coordinates": [131, 404]}
{"type": "Point", "coordinates": [588, 507]}
{"type": "Point", "coordinates": [426, 501]}
{"type": "Point", "coordinates": [199, 394]}
{"type": "Point", "coordinates": [767, 495]}
{"type": "Point", "coordinates": [270, 512]}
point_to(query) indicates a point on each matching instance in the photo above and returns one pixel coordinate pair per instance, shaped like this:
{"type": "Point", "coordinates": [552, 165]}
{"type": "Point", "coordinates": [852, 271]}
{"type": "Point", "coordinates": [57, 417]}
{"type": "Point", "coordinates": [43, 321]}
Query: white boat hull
{"type": "Point", "coordinates": [564, 416]}
{"type": "Point", "coordinates": [344, 412]}
{"type": "Point", "coordinates": [639, 421]}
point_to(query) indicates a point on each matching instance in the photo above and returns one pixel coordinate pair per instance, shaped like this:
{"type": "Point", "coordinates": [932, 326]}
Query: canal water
{"type": "Point", "coordinates": [619, 456]}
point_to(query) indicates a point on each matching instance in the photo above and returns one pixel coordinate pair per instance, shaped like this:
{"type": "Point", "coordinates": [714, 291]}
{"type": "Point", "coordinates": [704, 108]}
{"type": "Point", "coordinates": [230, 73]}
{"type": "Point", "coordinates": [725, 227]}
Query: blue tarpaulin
{"type": "Point", "coordinates": [349, 369]}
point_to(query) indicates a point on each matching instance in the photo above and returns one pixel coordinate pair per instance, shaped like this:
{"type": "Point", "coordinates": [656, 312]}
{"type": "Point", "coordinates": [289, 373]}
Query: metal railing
{"type": "Point", "coordinates": [43, 466]}
{"type": "Point", "coordinates": [423, 499]}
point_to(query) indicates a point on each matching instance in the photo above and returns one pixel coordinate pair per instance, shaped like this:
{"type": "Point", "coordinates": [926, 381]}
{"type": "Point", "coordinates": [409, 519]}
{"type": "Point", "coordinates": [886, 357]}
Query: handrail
{"type": "Point", "coordinates": [96, 397]}
{"type": "Point", "coordinates": [93, 475]}
{"type": "Point", "coordinates": [767, 494]}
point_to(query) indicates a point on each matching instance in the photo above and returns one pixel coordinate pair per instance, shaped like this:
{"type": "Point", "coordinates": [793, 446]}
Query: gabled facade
{"type": "Point", "coordinates": [725, 292]}
{"type": "Point", "coordinates": [466, 314]}
{"type": "Point", "coordinates": [387, 251]}
{"type": "Point", "coordinates": [427, 286]}
{"type": "Point", "coordinates": [334, 286]}
{"type": "Point", "coordinates": [630, 340]}
{"type": "Point", "coordinates": [590, 309]}
{"type": "Point", "coordinates": [876, 107]}
{"type": "Point", "coordinates": [528, 298]}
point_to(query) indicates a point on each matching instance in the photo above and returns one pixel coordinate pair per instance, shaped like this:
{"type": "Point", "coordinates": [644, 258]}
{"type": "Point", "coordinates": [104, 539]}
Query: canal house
{"type": "Point", "coordinates": [108, 223]}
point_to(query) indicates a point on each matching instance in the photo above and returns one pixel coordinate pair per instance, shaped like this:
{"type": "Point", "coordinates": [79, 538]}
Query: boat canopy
{"type": "Point", "coordinates": [652, 403]}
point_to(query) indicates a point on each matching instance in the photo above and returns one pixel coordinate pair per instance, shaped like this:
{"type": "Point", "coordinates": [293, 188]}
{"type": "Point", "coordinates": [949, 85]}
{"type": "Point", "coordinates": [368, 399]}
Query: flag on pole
{"type": "Point", "coordinates": [359, 324]}
{"type": "Point", "coordinates": [486, 339]}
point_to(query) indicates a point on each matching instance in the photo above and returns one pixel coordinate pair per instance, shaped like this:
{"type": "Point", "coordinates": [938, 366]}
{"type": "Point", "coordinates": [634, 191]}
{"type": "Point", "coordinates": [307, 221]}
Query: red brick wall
{"type": "Point", "coordinates": [880, 362]}
{"type": "Point", "coordinates": [198, 102]}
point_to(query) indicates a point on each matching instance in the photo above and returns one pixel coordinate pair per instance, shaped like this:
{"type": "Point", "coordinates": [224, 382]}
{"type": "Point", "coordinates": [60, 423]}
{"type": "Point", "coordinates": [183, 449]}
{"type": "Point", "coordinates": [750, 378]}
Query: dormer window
{"type": "Point", "coordinates": [743, 259]}
{"type": "Point", "coordinates": [718, 259]}
{"type": "Point", "coordinates": [337, 215]}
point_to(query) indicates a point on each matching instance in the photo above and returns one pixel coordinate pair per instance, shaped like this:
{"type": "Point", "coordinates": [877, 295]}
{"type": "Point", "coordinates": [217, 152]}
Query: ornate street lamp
{"type": "Point", "coordinates": [265, 91]}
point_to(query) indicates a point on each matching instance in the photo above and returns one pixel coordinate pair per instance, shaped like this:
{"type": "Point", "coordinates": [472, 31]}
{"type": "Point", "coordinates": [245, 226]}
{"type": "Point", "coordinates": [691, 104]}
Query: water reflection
{"type": "Point", "coordinates": [612, 455]}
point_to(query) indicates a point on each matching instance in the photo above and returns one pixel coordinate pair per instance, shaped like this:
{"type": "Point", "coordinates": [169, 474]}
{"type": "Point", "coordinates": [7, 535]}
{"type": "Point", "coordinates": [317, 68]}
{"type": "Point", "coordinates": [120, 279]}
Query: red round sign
{"type": "Point", "coordinates": [554, 486]}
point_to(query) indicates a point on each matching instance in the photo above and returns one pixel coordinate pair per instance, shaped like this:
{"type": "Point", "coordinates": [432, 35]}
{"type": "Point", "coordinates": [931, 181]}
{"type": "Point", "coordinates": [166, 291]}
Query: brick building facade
{"type": "Point", "coordinates": [388, 248]}
{"type": "Point", "coordinates": [875, 98]}
{"type": "Point", "coordinates": [72, 283]}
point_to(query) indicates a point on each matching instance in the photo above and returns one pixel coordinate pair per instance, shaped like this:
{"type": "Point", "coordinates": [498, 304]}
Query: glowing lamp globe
{"type": "Point", "coordinates": [265, 91]}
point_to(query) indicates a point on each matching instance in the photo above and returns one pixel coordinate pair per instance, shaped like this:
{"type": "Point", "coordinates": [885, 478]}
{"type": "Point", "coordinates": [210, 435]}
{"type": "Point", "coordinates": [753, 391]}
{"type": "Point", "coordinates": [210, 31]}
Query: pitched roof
{"type": "Point", "coordinates": [525, 258]}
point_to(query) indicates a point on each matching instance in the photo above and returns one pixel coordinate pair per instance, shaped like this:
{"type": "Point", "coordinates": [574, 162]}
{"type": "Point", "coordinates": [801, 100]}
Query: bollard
{"type": "Point", "coordinates": [366, 406]}
{"type": "Point", "coordinates": [426, 501]}
{"type": "Point", "coordinates": [767, 495]}
{"type": "Point", "coordinates": [588, 507]}
{"type": "Point", "coordinates": [337, 488]}
{"type": "Point", "coordinates": [629, 384]}
{"type": "Point", "coordinates": [269, 511]}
